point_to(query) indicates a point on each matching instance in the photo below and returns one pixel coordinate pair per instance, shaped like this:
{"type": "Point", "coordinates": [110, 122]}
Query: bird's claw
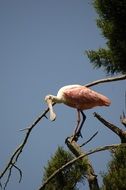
{"type": "Point", "coordinates": [76, 136]}
{"type": "Point", "coordinates": [45, 116]}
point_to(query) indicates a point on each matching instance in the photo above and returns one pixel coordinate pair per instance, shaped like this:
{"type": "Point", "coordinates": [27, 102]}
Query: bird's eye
{"type": "Point", "coordinates": [49, 97]}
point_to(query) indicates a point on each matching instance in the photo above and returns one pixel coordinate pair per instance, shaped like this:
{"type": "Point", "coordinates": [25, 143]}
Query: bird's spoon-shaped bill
{"type": "Point", "coordinates": [52, 113]}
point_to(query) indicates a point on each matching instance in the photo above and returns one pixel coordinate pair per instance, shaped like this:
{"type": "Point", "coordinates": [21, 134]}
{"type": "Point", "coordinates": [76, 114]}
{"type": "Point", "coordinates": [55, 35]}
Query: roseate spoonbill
{"type": "Point", "coordinates": [78, 97]}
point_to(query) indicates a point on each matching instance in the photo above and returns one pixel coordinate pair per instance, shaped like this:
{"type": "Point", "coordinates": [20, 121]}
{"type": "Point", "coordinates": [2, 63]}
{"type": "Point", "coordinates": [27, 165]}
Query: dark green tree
{"type": "Point", "coordinates": [111, 21]}
{"type": "Point", "coordinates": [115, 178]}
{"type": "Point", "coordinates": [68, 178]}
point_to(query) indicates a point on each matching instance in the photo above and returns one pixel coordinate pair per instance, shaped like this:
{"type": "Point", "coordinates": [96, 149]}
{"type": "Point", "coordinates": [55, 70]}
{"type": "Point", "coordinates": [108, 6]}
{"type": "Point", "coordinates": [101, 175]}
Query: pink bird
{"type": "Point", "coordinates": [78, 97]}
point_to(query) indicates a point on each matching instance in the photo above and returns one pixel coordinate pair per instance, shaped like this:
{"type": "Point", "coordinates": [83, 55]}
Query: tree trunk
{"type": "Point", "coordinates": [90, 175]}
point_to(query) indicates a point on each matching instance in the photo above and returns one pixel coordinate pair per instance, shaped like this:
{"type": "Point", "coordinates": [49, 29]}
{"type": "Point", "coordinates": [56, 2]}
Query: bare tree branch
{"type": "Point", "coordinates": [123, 116]}
{"type": "Point", "coordinates": [99, 149]}
{"type": "Point", "coordinates": [19, 150]}
{"type": "Point", "coordinates": [20, 172]}
{"type": "Point", "coordinates": [111, 79]}
{"type": "Point", "coordinates": [9, 175]}
{"type": "Point", "coordinates": [123, 119]}
{"type": "Point", "coordinates": [75, 148]}
{"type": "Point", "coordinates": [112, 127]}
{"type": "Point", "coordinates": [89, 139]}
{"type": "Point", "coordinates": [8, 178]}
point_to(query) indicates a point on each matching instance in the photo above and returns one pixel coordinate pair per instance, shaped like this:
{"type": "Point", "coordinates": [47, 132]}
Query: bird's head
{"type": "Point", "coordinates": [49, 101]}
{"type": "Point", "coordinates": [48, 97]}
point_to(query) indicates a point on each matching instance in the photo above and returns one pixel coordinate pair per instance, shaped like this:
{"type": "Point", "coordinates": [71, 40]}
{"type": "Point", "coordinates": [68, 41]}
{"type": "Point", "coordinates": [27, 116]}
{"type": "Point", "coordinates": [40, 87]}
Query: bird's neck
{"type": "Point", "coordinates": [56, 99]}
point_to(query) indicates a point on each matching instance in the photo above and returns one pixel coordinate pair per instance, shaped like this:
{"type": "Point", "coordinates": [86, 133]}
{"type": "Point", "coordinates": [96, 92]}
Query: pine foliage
{"type": "Point", "coordinates": [115, 178]}
{"type": "Point", "coordinates": [111, 21]}
{"type": "Point", "coordinates": [68, 178]}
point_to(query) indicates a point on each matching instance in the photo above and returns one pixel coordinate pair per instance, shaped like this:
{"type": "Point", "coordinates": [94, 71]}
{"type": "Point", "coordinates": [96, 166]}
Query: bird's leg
{"type": "Point", "coordinates": [78, 132]}
{"type": "Point", "coordinates": [74, 137]}
{"type": "Point", "coordinates": [78, 122]}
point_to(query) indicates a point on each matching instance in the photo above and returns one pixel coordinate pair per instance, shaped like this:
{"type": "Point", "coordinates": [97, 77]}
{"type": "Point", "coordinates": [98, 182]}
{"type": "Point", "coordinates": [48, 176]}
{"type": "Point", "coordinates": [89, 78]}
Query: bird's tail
{"type": "Point", "coordinates": [106, 101]}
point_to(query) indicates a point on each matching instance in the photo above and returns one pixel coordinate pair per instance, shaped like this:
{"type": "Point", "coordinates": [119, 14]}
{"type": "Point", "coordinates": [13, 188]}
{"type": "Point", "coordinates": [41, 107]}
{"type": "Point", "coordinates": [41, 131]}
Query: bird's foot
{"type": "Point", "coordinates": [76, 136]}
{"type": "Point", "coordinates": [70, 139]}
{"type": "Point", "coordinates": [79, 134]}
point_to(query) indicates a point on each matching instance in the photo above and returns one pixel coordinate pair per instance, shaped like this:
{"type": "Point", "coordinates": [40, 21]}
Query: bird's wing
{"type": "Point", "coordinates": [84, 98]}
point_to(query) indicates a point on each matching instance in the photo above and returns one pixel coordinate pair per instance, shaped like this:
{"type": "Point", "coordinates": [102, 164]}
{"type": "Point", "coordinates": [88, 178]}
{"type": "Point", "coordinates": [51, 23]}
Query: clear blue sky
{"type": "Point", "coordinates": [42, 46]}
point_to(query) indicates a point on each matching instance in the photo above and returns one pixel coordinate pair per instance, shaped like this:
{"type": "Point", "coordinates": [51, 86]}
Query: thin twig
{"type": "Point", "coordinates": [20, 172]}
{"type": "Point", "coordinates": [99, 149]}
{"type": "Point", "coordinates": [19, 150]}
{"type": "Point", "coordinates": [123, 116]}
{"type": "Point", "coordinates": [123, 119]}
{"type": "Point", "coordinates": [111, 79]}
{"type": "Point", "coordinates": [112, 127]}
{"type": "Point", "coordinates": [89, 139]}
{"type": "Point", "coordinates": [8, 177]}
